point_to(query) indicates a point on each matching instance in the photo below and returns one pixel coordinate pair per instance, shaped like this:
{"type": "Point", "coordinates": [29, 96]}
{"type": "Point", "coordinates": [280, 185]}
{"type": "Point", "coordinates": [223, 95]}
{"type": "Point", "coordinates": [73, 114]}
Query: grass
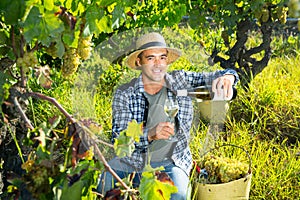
{"type": "Point", "coordinates": [265, 122]}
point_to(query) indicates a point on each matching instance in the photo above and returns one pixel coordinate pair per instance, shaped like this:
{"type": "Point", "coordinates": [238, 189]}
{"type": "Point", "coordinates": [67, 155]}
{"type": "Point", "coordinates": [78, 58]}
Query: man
{"type": "Point", "coordinates": [143, 99]}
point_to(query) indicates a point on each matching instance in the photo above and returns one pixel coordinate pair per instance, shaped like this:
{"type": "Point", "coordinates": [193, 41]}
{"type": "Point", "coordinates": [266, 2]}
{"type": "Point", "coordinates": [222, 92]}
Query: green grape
{"type": "Point", "coordinates": [282, 14]}
{"type": "Point", "coordinates": [84, 47]}
{"type": "Point", "coordinates": [36, 180]}
{"type": "Point", "coordinates": [223, 169]}
{"type": "Point", "coordinates": [71, 61]}
{"type": "Point", "coordinates": [20, 62]}
{"type": "Point", "coordinates": [28, 60]}
{"type": "Point", "coordinates": [52, 50]}
{"type": "Point", "coordinates": [265, 15]}
{"type": "Point", "coordinates": [258, 14]}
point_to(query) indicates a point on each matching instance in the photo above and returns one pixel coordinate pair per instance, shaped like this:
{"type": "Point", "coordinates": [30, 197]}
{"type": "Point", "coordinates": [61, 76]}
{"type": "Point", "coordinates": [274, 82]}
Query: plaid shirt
{"type": "Point", "coordinates": [130, 103]}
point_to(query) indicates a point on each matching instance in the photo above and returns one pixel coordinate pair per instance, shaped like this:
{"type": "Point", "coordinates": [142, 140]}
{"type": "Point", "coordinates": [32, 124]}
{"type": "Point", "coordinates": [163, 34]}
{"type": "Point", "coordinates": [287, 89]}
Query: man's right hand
{"type": "Point", "coordinates": [162, 131]}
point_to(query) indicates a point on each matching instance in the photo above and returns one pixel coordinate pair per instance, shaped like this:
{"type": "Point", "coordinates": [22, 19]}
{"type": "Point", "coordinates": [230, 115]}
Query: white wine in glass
{"type": "Point", "coordinates": [171, 109]}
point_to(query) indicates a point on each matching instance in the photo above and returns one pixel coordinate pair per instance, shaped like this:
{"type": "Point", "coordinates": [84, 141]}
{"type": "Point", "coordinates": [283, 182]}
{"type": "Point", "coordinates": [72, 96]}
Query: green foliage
{"type": "Point", "coordinates": [158, 13]}
{"type": "Point", "coordinates": [12, 11]}
{"type": "Point", "coordinates": [289, 45]}
{"type": "Point", "coordinates": [48, 175]}
{"type": "Point", "coordinates": [152, 188]}
{"type": "Point", "coordinates": [124, 144]}
{"type": "Point", "coordinates": [42, 25]}
{"type": "Point", "coordinates": [4, 87]}
{"type": "Point", "coordinates": [227, 13]}
{"type": "Point", "coordinates": [41, 111]}
{"type": "Point", "coordinates": [134, 130]}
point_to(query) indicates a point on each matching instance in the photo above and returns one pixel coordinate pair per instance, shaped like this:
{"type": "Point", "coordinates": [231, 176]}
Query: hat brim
{"type": "Point", "coordinates": [173, 55]}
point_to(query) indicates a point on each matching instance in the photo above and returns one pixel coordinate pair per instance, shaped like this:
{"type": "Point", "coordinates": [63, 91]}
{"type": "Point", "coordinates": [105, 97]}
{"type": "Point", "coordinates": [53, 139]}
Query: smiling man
{"type": "Point", "coordinates": [142, 99]}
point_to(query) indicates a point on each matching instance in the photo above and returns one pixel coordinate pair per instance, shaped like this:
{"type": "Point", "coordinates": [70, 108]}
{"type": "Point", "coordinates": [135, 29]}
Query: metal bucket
{"type": "Point", "coordinates": [233, 190]}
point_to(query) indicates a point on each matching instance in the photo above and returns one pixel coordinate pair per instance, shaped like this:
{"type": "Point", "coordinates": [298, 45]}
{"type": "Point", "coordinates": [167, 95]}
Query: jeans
{"type": "Point", "coordinates": [178, 176]}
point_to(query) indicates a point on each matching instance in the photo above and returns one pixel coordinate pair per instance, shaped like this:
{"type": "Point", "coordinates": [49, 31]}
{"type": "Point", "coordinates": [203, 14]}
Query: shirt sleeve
{"type": "Point", "coordinates": [194, 79]}
{"type": "Point", "coordinates": [121, 114]}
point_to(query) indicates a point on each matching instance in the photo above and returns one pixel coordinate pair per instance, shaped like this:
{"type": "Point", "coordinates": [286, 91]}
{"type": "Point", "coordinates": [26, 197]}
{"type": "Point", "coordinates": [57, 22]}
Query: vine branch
{"type": "Point", "coordinates": [69, 117]}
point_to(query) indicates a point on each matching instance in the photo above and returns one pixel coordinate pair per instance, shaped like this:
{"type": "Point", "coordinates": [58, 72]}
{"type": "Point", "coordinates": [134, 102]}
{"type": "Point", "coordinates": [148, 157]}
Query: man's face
{"type": "Point", "coordinates": [153, 63]}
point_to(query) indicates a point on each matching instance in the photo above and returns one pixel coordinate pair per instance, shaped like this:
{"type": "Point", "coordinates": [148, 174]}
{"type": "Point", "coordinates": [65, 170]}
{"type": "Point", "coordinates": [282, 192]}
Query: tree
{"type": "Point", "coordinates": [236, 20]}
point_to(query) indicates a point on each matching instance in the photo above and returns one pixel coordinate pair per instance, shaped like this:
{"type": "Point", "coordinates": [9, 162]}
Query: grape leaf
{"type": "Point", "coordinates": [106, 2]}
{"type": "Point", "coordinates": [45, 27]}
{"type": "Point", "coordinates": [74, 192]}
{"type": "Point", "coordinates": [104, 24]}
{"type": "Point", "coordinates": [118, 16]}
{"type": "Point", "coordinates": [60, 47]}
{"type": "Point", "coordinates": [12, 10]}
{"type": "Point", "coordinates": [134, 130]}
{"type": "Point", "coordinates": [96, 21]}
{"type": "Point", "coordinates": [151, 188]}
{"type": "Point", "coordinates": [32, 27]}
{"type": "Point", "coordinates": [92, 15]}
{"type": "Point", "coordinates": [49, 4]}
{"type": "Point", "coordinates": [123, 145]}
{"type": "Point", "coordinates": [52, 27]}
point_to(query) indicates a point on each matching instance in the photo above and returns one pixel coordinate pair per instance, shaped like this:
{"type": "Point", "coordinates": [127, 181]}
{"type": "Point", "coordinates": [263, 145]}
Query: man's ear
{"type": "Point", "coordinates": [137, 62]}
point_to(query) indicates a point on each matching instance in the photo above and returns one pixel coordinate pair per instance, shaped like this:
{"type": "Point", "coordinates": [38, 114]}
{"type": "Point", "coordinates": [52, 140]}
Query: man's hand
{"type": "Point", "coordinates": [162, 131]}
{"type": "Point", "coordinates": [223, 86]}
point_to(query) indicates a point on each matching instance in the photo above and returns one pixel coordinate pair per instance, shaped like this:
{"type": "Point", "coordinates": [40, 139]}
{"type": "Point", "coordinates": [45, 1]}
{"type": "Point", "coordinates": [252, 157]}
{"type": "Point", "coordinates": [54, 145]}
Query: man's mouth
{"type": "Point", "coordinates": [157, 71]}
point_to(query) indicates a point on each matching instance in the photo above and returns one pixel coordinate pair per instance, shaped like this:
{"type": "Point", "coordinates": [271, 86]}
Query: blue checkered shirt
{"type": "Point", "coordinates": [129, 103]}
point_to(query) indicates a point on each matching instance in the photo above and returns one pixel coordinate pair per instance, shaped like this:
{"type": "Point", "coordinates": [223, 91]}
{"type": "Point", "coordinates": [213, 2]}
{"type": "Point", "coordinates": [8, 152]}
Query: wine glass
{"type": "Point", "coordinates": [171, 109]}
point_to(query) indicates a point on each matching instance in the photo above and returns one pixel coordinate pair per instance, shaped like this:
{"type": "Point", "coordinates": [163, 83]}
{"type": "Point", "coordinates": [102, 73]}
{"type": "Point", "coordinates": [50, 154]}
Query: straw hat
{"type": "Point", "coordinates": [151, 41]}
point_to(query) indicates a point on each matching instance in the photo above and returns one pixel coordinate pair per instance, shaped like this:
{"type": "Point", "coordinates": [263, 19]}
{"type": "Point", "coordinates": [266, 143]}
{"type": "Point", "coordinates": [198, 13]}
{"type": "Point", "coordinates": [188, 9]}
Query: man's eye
{"type": "Point", "coordinates": [149, 58]}
{"type": "Point", "coordinates": [163, 57]}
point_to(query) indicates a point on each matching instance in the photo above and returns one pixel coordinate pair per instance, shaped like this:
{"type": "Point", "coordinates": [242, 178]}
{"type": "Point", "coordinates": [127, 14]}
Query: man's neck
{"type": "Point", "coordinates": [153, 88]}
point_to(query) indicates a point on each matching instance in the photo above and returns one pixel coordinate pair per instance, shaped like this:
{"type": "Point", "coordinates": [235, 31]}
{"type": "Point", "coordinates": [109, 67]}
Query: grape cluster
{"type": "Point", "coordinates": [37, 177]}
{"type": "Point", "coordinates": [282, 14]}
{"type": "Point", "coordinates": [278, 13]}
{"type": "Point", "coordinates": [265, 15]}
{"type": "Point", "coordinates": [222, 169]}
{"type": "Point", "coordinates": [72, 56]}
{"type": "Point", "coordinates": [52, 50]}
{"type": "Point", "coordinates": [29, 59]}
{"type": "Point", "coordinates": [71, 62]}
{"type": "Point", "coordinates": [84, 47]}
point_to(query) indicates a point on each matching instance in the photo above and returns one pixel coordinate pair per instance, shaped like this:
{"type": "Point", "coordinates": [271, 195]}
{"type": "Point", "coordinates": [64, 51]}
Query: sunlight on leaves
{"type": "Point", "coordinates": [151, 188]}
{"type": "Point", "coordinates": [123, 146]}
{"type": "Point", "coordinates": [135, 130]}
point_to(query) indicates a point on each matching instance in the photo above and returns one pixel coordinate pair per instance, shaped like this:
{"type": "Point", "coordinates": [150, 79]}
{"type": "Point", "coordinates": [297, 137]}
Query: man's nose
{"type": "Point", "coordinates": [157, 61]}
